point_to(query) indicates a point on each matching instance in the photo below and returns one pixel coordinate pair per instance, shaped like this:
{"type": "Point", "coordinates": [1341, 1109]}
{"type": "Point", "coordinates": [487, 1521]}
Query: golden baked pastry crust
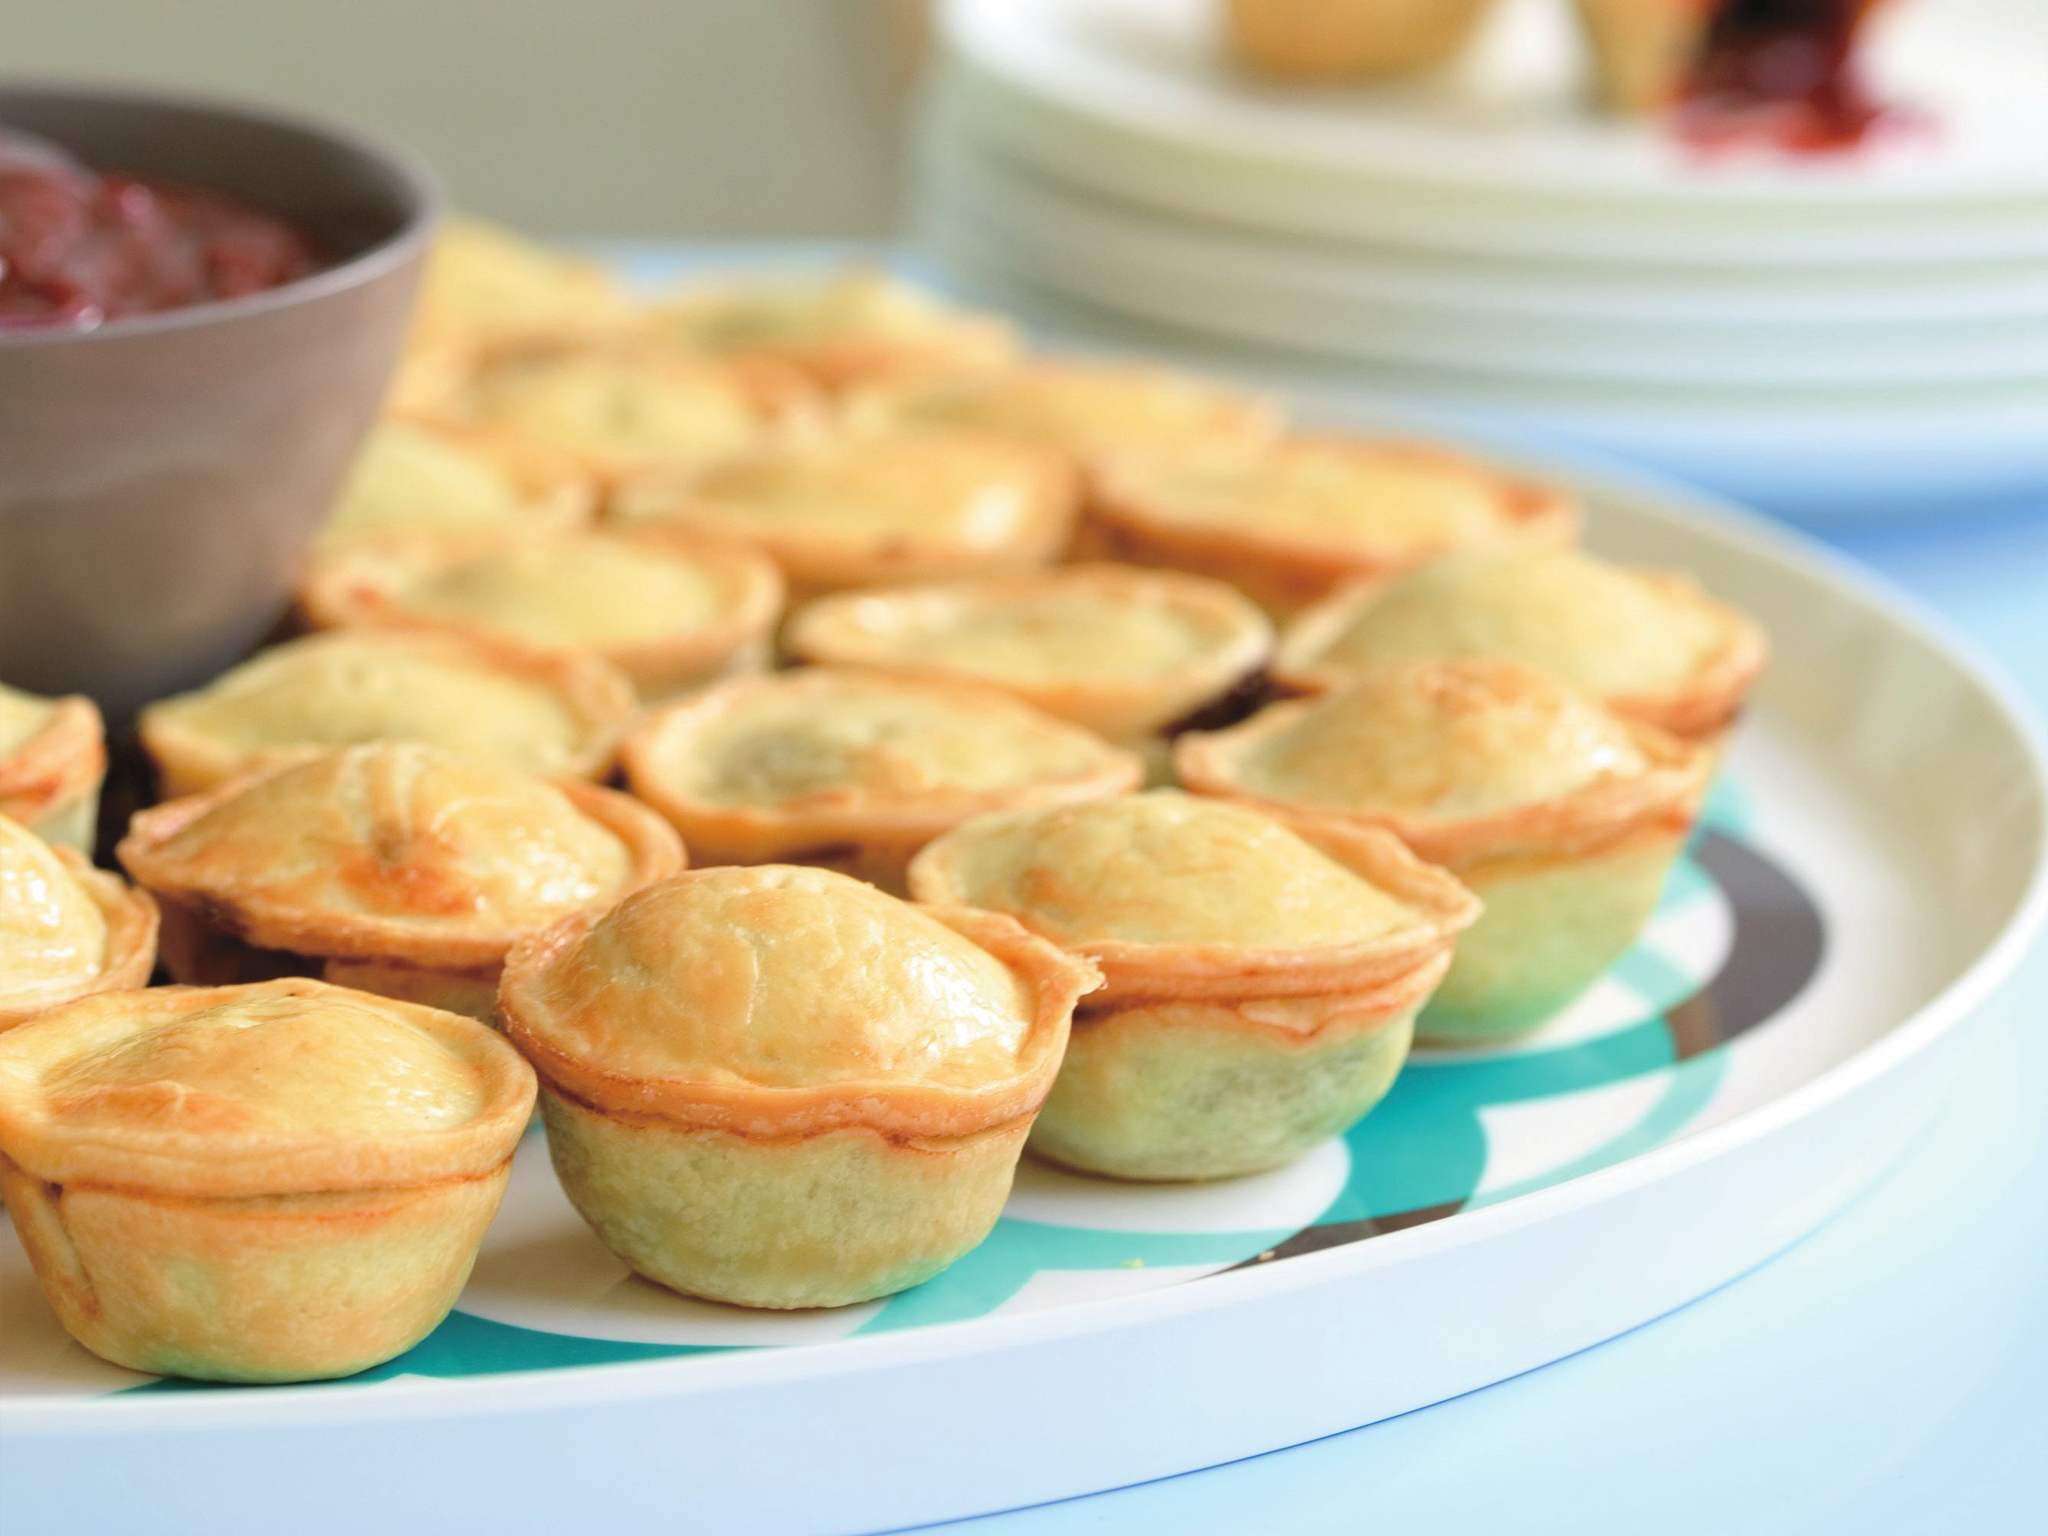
{"type": "Point", "coordinates": [551, 714]}
{"type": "Point", "coordinates": [57, 1124]}
{"type": "Point", "coordinates": [33, 877]}
{"type": "Point", "coordinates": [1261, 983]}
{"type": "Point", "coordinates": [1078, 874]}
{"type": "Point", "coordinates": [875, 1045]}
{"type": "Point", "coordinates": [486, 282]}
{"type": "Point", "coordinates": [1083, 409]}
{"type": "Point", "coordinates": [433, 477]}
{"type": "Point", "coordinates": [841, 329]}
{"type": "Point", "coordinates": [670, 610]}
{"type": "Point", "coordinates": [314, 1168]}
{"type": "Point", "coordinates": [862, 511]}
{"type": "Point", "coordinates": [397, 853]}
{"type": "Point", "coordinates": [1286, 522]}
{"type": "Point", "coordinates": [1124, 651]}
{"type": "Point", "coordinates": [1563, 818]}
{"type": "Point", "coordinates": [52, 762]}
{"type": "Point", "coordinates": [854, 770]}
{"type": "Point", "coordinates": [1482, 614]}
{"type": "Point", "coordinates": [627, 407]}
{"type": "Point", "coordinates": [1662, 788]}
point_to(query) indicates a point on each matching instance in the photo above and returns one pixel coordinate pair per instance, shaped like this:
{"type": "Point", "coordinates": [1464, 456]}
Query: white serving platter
{"type": "Point", "coordinates": [1874, 864]}
{"type": "Point", "coordinates": [1500, 154]}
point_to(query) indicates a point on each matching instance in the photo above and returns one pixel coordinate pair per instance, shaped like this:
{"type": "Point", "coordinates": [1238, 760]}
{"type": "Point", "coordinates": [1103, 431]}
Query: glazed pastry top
{"type": "Point", "coordinates": [1163, 868]}
{"type": "Point", "coordinates": [854, 494]}
{"type": "Point", "coordinates": [1443, 739]}
{"type": "Point", "coordinates": [266, 1060]}
{"type": "Point", "coordinates": [413, 478]}
{"type": "Point", "coordinates": [365, 685]}
{"type": "Point", "coordinates": [1323, 490]}
{"type": "Point", "coordinates": [1081, 623]}
{"type": "Point", "coordinates": [1081, 408]}
{"type": "Point", "coordinates": [390, 831]}
{"type": "Point", "coordinates": [616, 406]}
{"type": "Point", "coordinates": [53, 934]}
{"type": "Point", "coordinates": [821, 736]}
{"type": "Point", "coordinates": [486, 279]}
{"type": "Point", "coordinates": [576, 589]}
{"type": "Point", "coordinates": [780, 977]}
{"type": "Point", "coordinates": [797, 311]}
{"type": "Point", "coordinates": [1609, 629]}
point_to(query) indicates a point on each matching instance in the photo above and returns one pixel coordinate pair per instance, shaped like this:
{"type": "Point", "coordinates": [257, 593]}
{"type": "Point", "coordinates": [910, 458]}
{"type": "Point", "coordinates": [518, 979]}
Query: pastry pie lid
{"type": "Point", "coordinates": [232, 1162]}
{"type": "Point", "coordinates": [1220, 413]}
{"type": "Point", "coordinates": [1666, 796]}
{"type": "Point", "coordinates": [784, 404]}
{"type": "Point", "coordinates": [1136, 971]}
{"type": "Point", "coordinates": [131, 918]}
{"type": "Point", "coordinates": [363, 585]}
{"type": "Point", "coordinates": [853, 813]}
{"type": "Point", "coordinates": [932, 336]}
{"type": "Point", "coordinates": [817, 556]}
{"type": "Point", "coordinates": [901, 1108]}
{"type": "Point", "coordinates": [1123, 496]}
{"type": "Point", "coordinates": [1234, 641]}
{"type": "Point", "coordinates": [554, 491]}
{"type": "Point", "coordinates": [267, 919]}
{"type": "Point", "coordinates": [66, 756]}
{"type": "Point", "coordinates": [1708, 703]}
{"type": "Point", "coordinates": [594, 695]}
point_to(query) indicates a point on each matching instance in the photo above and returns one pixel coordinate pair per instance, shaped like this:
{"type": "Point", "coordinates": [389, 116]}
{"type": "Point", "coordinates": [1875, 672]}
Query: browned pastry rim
{"type": "Point", "coordinates": [1607, 812]}
{"type": "Point", "coordinates": [248, 910]}
{"type": "Point", "coordinates": [900, 1110]}
{"type": "Point", "coordinates": [248, 1160]}
{"type": "Point", "coordinates": [1133, 971]}
{"type": "Point", "coordinates": [1704, 706]}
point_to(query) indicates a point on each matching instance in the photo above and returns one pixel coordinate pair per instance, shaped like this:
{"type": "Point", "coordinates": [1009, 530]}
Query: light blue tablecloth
{"type": "Point", "coordinates": [1887, 1377]}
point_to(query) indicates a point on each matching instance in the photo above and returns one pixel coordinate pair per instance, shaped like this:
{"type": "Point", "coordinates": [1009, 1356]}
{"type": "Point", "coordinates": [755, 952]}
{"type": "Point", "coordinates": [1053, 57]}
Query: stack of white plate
{"type": "Point", "coordinates": [1856, 333]}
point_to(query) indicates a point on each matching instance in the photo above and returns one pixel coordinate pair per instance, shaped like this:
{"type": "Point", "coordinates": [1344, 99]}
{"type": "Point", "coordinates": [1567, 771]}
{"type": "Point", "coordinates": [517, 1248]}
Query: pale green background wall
{"type": "Point", "coordinates": [618, 117]}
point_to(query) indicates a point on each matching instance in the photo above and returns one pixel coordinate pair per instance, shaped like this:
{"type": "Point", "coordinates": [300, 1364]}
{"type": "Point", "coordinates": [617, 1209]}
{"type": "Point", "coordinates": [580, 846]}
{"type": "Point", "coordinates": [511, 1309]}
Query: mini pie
{"type": "Point", "coordinates": [1260, 986]}
{"type": "Point", "coordinates": [559, 716]}
{"type": "Point", "coordinates": [1289, 520]}
{"type": "Point", "coordinates": [867, 511]}
{"type": "Point", "coordinates": [841, 329]}
{"type": "Point", "coordinates": [486, 286]}
{"type": "Point", "coordinates": [854, 770]}
{"type": "Point", "coordinates": [482, 279]}
{"type": "Point", "coordinates": [1084, 410]}
{"type": "Point", "coordinates": [400, 869]}
{"type": "Point", "coordinates": [67, 930]}
{"type": "Point", "coordinates": [778, 1087]}
{"type": "Point", "coordinates": [53, 758]}
{"type": "Point", "coordinates": [669, 610]}
{"type": "Point", "coordinates": [413, 477]}
{"type": "Point", "coordinates": [1348, 39]}
{"type": "Point", "coordinates": [1125, 652]}
{"type": "Point", "coordinates": [281, 1182]}
{"type": "Point", "coordinates": [622, 408]}
{"type": "Point", "coordinates": [1562, 816]}
{"type": "Point", "coordinates": [1650, 644]}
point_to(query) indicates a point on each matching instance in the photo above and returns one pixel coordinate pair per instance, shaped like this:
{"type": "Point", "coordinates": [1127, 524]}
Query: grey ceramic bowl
{"type": "Point", "coordinates": [162, 477]}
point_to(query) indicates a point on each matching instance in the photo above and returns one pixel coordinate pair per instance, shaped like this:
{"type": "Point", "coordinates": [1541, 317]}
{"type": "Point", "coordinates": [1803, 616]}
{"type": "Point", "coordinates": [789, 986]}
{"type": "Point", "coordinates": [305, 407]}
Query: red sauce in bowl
{"type": "Point", "coordinates": [79, 247]}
